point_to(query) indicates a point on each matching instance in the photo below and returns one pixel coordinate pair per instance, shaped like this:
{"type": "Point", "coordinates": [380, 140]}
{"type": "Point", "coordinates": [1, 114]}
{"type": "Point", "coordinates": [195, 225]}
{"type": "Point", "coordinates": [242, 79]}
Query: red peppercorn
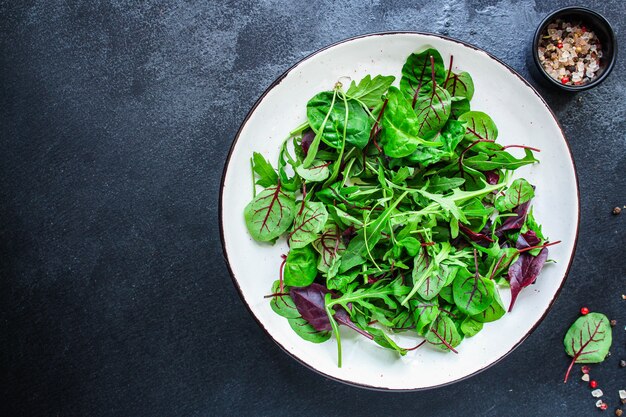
{"type": "Point", "coordinates": [593, 384]}
{"type": "Point", "coordinates": [583, 28]}
{"type": "Point", "coordinates": [559, 45]}
{"type": "Point", "coordinates": [584, 311]}
{"type": "Point", "coordinates": [604, 406]}
{"type": "Point", "coordinates": [585, 369]}
{"type": "Point", "coordinates": [564, 80]}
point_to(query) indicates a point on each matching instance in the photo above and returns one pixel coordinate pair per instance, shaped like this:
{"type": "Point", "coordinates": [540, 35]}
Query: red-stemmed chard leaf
{"type": "Point", "coordinates": [588, 340]}
{"type": "Point", "coordinates": [270, 214]}
{"type": "Point", "coordinates": [432, 107]}
{"type": "Point", "coordinates": [310, 304]}
{"type": "Point", "coordinates": [308, 224]}
{"type": "Point", "coordinates": [524, 271]}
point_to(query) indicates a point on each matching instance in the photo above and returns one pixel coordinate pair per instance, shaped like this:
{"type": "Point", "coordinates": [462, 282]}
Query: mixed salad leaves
{"type": "Point", "coordinates": [400, 212]}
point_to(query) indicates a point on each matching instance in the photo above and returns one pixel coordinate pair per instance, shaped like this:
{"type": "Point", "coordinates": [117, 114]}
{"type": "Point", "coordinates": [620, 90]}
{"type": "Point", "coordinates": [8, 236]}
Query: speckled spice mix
{"type": "Point", "coordinates": [570, 52]}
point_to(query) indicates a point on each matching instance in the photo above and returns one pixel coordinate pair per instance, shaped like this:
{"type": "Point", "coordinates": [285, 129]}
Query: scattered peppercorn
{"type": "Point", "coordinates": [617, 210]}
{"type": "Point", "coordinates": [584, 311]}
{"type": "Point", "coordinates": [604, 406]}
{"type": "Point", "coordinates": [564, 80]}
{"type": "Point", "coordinates": [593, 383]}
{"type": "Point", "coordinates": [618, 412]}
{"type": "Point", "coordinates": [613, 323]}
{"type": "Point", "coordinates": [622, 363]}
{"type": "Point", "coordinates": [585, 369]}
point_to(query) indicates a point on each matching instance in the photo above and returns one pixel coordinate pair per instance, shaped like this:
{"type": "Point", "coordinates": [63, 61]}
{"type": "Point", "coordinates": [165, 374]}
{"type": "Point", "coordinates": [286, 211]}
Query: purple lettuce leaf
{"type": "Point", "coordinates": [310, 304]}
{"type": "Point", "coordinates": [514, 222]}
{"type": "Point", "coordinates": [524, 271]}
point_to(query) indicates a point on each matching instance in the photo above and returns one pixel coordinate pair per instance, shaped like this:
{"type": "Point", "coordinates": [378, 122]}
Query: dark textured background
{"type": "Point", "coordinates": [115, 121]}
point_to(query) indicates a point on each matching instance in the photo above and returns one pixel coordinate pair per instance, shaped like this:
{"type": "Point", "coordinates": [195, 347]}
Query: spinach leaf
{"type": "Point", "coordinates": [399, 134]}
{"type": "Point", "coordinates": [459, 107]}
{"type": "Point", "coordinates": [301, 267]}
{"type": "Point", "coordinates": [357, 128]}
{"type": "Point", "coordinates": [469, 326]}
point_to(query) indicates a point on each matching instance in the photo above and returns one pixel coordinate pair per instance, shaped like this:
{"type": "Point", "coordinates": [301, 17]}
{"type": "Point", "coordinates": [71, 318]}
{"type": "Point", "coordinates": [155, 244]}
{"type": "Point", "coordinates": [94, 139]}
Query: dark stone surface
{"type": "Point", "coordinates": [115, 120]}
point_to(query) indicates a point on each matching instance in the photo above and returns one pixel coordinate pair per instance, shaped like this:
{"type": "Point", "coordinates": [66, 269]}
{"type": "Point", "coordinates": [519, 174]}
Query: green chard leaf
{"type": "Point", "coordinates": [424, 313]}
{"type": "Point", "coordinates": [494, 312]}
{"type": "Point", "coordinates": [317, 172]}
{"type": "Point", "coordinates": [270, 213]}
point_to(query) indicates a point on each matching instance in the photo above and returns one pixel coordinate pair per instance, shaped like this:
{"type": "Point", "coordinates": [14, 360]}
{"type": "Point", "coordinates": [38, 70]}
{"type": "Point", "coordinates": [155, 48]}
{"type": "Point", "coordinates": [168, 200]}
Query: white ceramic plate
{"type": "Point", "coordinates": [522, 117]}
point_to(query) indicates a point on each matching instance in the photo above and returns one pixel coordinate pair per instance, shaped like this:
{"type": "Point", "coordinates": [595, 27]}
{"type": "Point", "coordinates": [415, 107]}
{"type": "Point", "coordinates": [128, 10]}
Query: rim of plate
{"type": "Point", "coordinates": [253, 109]}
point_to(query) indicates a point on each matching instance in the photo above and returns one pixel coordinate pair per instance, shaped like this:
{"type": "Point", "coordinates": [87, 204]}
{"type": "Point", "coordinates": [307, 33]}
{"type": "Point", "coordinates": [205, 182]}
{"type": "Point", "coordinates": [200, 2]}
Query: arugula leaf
{"type": "Point", "coordinates": [370, 90]}
{"type": "Point", "coordinates": [265, 171]}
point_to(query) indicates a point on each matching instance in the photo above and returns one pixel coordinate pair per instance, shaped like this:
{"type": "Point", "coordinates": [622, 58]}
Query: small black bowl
{"type": "Point", "coordinates": [595, 22]}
